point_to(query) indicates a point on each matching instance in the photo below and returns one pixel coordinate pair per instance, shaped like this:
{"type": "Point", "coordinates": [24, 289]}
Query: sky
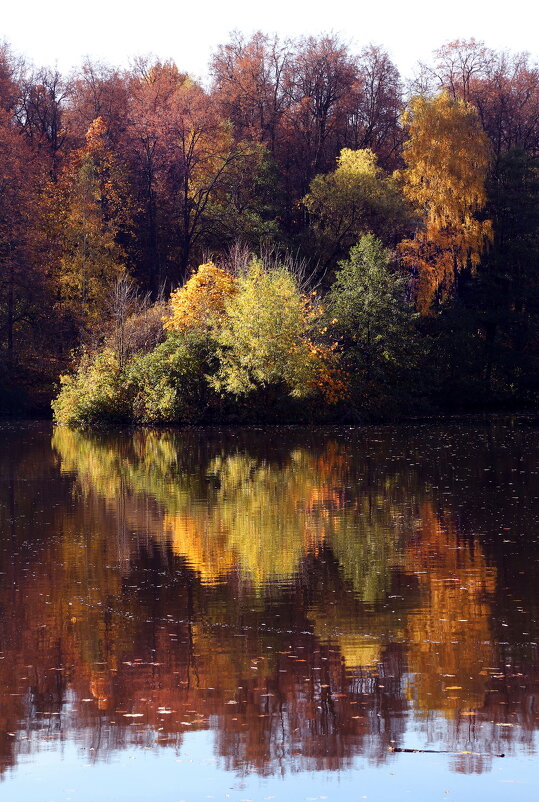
{"type": "Point", "coordinates": [63, 32]}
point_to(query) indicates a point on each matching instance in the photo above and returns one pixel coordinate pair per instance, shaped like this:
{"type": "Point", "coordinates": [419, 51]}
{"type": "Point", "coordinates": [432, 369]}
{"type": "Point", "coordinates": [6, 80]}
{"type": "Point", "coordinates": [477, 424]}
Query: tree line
{"type": "Point", "coordinates": [307, 235]}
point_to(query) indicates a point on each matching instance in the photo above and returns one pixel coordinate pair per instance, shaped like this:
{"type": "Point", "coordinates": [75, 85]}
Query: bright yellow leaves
{"type": "Point", "coordinates": [447, 158]}
{"type": "Point", "coordinates": [269, 338]}
{"type": "Point", "coordinates": [265, 329]}
{"type": "Point", "coordinates": [200, 303]}
{"type": "Point", "coordinates": [352, 163]}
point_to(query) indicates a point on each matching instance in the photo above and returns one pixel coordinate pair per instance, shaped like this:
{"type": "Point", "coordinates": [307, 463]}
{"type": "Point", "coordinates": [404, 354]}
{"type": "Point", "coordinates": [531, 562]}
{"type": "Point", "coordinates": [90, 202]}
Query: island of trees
{"type": "Point", "coordinates": [304, 238]}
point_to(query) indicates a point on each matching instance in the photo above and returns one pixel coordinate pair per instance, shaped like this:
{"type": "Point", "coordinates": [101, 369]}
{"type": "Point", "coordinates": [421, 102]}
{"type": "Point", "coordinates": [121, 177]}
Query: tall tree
{"type": "Point", "coordinates": [503, 86]}
{"type": "Point", "coordinates": [10, 70]}
{"type": "Point", "coordinates": [40, 113]}
{"type": "Point", "coordinates": [15, 200]}
{"type": "Point", "coordinates": [374, 117]}
{"type": "Point", "coordinates": [90, 208]}
{"type": "Point", "coordinates": [249, 85]}
{"type": "Point", "coordinates": [319, 83]}
{"type": "Point", "coordinates": [187, 166]}
{"type": "Point", "coordinates": [97, 90]}
{"type": "Point", "coordinates": [459, 68]}
{"type": "Point", "coordinates": [26, 330]}
{"type": "Point", "coordinates": [201, 156]}
{"type": "Point", "coordinates": [355, 199]}
{"type": "Point", "coordinates": [147, 145]}
{"type": "Point", "coordinates": [447, 158]}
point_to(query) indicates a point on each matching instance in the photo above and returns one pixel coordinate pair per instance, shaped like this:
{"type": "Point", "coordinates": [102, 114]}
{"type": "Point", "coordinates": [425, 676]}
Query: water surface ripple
{"type": "Point", "coordinates": [286, 613]}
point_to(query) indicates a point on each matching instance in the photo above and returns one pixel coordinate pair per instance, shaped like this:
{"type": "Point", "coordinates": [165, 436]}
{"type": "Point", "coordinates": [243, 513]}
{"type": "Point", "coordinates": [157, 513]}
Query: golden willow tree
{"type": "Point", "coordinates": [447, 158]}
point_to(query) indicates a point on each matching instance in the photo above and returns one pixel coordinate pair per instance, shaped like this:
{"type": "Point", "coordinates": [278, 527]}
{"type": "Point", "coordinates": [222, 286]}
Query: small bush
{"type": "Point", "coordinates": [169, 384]}
{"type": "Point", "coordinates": [96, 393]}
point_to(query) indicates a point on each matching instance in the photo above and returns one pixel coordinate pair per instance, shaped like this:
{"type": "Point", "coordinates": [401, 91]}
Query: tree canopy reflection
{"type": "Point", "coordinates": [306, 595]}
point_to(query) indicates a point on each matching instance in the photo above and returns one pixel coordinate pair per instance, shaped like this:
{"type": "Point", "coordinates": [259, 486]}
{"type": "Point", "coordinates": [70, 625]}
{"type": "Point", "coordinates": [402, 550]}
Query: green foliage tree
{"type": "Point", "coordinates": [169, 384]}
{"type": "Point", "coordinates": [375, 321]}
{"type": "Point", "coordinates": [95, 393]}
{"type": "Point", "coordinates": [356, 198]}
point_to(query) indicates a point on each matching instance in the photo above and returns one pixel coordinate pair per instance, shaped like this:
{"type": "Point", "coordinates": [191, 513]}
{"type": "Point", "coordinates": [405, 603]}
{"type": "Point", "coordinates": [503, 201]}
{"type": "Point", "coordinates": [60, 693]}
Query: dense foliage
{"type": "Point", "coordinates": [295, 240]}
{"type": "Point", "coordinates": [381, 349]}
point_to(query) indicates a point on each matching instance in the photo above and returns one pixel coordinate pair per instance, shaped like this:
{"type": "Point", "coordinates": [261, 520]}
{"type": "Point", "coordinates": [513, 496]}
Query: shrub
{"type": "Point", "coordinates": [96, 392]}
{"type": "Point", "coordinates": [265, 340]}
{"type": "Point", "coordinates": [169, 384]}
{"type": "Point", "coordinates": [200, 303]}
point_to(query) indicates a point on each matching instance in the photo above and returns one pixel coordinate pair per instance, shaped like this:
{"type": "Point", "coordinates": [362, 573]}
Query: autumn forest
{"type": "Point", "coordinates": [306, 237]}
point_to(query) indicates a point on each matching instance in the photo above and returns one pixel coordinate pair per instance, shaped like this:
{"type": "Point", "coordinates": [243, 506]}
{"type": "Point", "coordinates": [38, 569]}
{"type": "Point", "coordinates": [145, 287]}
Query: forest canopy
{"type": "Point", "coordinates": [302, 238]}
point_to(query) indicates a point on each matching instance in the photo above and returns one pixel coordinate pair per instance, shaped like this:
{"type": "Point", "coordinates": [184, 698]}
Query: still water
{"type": "Point", "coordinates": [289, 614]}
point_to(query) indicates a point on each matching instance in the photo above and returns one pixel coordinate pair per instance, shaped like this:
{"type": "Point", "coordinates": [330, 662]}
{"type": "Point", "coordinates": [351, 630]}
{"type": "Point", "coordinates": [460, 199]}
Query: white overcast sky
{"type": "Point", "coordinates": [63, 32]}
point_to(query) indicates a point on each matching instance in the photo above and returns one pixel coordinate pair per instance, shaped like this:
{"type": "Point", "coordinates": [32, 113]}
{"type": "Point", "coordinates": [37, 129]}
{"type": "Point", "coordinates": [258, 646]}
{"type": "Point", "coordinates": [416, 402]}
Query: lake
{"type": "Point", "coordinates": [289, 613]}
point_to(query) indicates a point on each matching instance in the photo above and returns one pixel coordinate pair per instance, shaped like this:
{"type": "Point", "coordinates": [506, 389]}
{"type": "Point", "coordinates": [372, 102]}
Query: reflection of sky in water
{"type": "Point", "coordinates": [194, 775]}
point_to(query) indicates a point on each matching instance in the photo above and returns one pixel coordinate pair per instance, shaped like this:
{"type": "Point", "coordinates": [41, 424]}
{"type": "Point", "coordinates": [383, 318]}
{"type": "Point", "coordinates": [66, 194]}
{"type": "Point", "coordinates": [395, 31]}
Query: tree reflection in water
{"type": "Point", "coordinates": [308, 595]}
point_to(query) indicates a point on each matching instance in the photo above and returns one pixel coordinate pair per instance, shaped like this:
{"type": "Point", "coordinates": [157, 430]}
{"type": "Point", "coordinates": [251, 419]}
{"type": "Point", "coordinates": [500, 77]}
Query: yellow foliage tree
{"type": "Point", "coordinates": [89, 210]}
{"type": "Point", "coordinates": [447, 158]}
{"type": "Point", "coordinates": [200, 303]}
{"type": "Point", "coordinates": [269, 339]}
{"type": "Point", "coordinates": [353, 200]}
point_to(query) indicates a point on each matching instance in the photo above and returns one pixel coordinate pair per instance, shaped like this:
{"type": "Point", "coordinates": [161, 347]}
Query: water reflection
{"type": "Point", "coordinates": [307, 595]}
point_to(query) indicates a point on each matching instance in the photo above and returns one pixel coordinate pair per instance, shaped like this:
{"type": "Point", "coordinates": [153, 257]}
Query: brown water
{"type": "Point", "coordinates": [269, 613]}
